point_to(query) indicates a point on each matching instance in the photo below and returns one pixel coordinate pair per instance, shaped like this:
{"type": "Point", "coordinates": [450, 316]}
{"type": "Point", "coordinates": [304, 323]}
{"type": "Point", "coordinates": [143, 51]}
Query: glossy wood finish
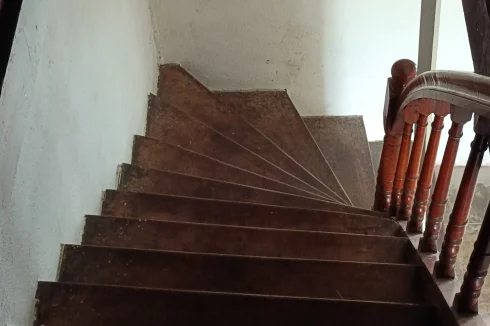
{"type": "Point", "coordinates": [178, 88]}
{"type": "Point", "coordinates": [425, 182]}
{"type": "Point", "coordinates": [173, 126]}
{"type": "Point", "coordinates": [459, 216]}
{"type": "Point", "coordinates": [233, 240]}
{"type": "Point", "coordinates": [344, 144]}
{"type": "Point", "coordinates": [401, 170]}
{"type": "Point", "coordinates": [428, 243]}
{"type": "Point", "coordinates": [402, 72]}
{"type": "Point", "coordinates": [241, 274]}
{"type": "Point", "coordinates": [413, 169]}
{"type": "Point", "coordinates": [264, 109]}
{"type": "Point", "coordinates": [84, 305]}
{"type": "Point", "coordinates": [137, 179]}
{"type": "Point", "coordinates": [466, 301]}
{"type": "Point", "coordinates": [157, 154]}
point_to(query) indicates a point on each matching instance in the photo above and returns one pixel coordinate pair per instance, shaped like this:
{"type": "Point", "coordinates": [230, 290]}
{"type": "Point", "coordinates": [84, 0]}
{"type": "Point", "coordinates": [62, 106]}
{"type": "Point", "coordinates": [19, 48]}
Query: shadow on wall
{"type": "Point", "coordinates": [333, 56]}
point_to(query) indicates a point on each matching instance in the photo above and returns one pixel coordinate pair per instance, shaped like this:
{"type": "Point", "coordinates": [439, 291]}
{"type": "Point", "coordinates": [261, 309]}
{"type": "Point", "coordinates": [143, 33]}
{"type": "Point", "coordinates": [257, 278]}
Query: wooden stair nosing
{"type": "Point", "coordinates": [344, 143]}
{"type": "Point", "coordinates": [168, 123]}
{"type": "Point", "coordinates": [107, 305]}
{"type": "Point", "coordinates": [154, 181]}
{"type": "Point", "coordinates": [192, 101]}
{"type": "Point", "coordinates": [154, 153]}
{"type": "Point", "coordinates": [264, 109]}
{"type": "Point", "coordinates": [137, 179]}
{"type": "Point", "coordinates": [242, 274]}
{"type": "Point", "coordinates": [250, 241]}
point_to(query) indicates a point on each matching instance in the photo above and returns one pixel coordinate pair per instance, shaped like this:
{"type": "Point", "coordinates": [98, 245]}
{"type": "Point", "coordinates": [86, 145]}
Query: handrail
{"type": "Point", "coordinates": [464, 90]}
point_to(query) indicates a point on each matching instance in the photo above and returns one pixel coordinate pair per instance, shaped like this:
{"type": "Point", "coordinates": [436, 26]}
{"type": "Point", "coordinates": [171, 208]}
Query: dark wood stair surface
{"type": "Point", "coordinates": [77, 304]}
{"type": "Point", "coordinates": [264, 109]}
{"type": "Point", "coordinates": [344, 144]}
{"type": "Point", "coordinates": [178, 88]}
{"type": "Point", "coordinates": [237, 211]}
{"type": "Point", "coordinates": [173, 126]}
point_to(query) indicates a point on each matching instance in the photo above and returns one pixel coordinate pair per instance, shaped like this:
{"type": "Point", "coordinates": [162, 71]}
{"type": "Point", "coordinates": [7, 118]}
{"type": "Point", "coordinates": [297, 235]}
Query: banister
{"type": "Point", "coordinates": [465, 90]}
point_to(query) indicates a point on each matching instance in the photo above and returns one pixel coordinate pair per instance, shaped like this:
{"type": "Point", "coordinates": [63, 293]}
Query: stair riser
{"type": "Point", "coordinates": [171, 125]}
{"type": "Point", "coordinates": [251, 242]}
{"type": "Point", "coordinates": [137, 179]}
{"type": "Point", "coordinates": [316, 279]}
{"type": "Point", "coordinates": [151, 153]}
{"type": "Point", "coordinates": [81, 306]}
{"type": "Point", "coordinates": [154, 207]}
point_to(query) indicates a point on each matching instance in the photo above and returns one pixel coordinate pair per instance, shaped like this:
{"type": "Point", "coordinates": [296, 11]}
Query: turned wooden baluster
{"type": "Point", "coordinates": [401, 169]}
{"type": "Point", "coordinates": [402, 72]}
{"type": "Point", "coordinates": [459, 217]}
{"type": "Point", "coordinates": [428, 243]}
{"type": "Point", "coordinates": [415, 158]}
{"type": "Point", "coordinates": [466, 301]}
{"type": "Point", "coordinates": [425, 182]}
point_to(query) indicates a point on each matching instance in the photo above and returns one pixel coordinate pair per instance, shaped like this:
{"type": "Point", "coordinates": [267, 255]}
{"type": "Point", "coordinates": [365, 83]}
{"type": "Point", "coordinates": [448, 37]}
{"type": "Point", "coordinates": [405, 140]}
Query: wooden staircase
{"type": "Point", "coordinates": [237, 211]}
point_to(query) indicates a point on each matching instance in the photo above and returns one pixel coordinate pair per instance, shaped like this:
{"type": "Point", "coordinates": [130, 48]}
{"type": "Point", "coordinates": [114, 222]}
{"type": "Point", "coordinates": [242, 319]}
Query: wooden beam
{"type": "Point", "coordinates": [478, 26]}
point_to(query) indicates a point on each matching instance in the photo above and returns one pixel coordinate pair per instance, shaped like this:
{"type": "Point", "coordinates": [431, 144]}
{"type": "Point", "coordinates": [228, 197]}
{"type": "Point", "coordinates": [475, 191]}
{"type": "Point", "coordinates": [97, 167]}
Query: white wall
{"type": "Point", "coordinates": [333, 56]}
{"type": "Point", "coordinates": [454, 54]}
{"type": "Point", "coordinates": [74, 94]}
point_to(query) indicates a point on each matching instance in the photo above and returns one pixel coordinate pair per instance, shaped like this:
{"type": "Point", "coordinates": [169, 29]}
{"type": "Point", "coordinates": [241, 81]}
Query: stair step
{"type": "Point", "coordinates": [156, 154]}
{"type": "Point", "coordinates": [276, 219]}
{"type": "Point", "coordinates": [154, 206]}
{"type": "Point", "coordinates": [80, 305]}
{"type": "Point", "coordinates": [344, 144]}
{"type": "Point", "coordinates": [137, 179]}
{"type": "Point", "coordinates": [173, 126]}
{"type": "Point", "coordinates": [375, 148]}
{"type": "Point", "coordinates": [237, 274]}
{"type": "Point", "coordinates": [249, 241]}
{"type": "Point", "coordinates": [180, 89]}
{"type": "Point", "coordinates": [274, 114]}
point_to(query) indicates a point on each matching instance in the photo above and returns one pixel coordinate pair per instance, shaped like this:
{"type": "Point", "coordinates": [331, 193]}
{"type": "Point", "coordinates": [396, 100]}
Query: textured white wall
{"type": "Point", "coordinates": [74, 94]}
{"type": "Point", "coordinates": [332, 55]}
{"type": "Point", "coordinates": [454, 54]}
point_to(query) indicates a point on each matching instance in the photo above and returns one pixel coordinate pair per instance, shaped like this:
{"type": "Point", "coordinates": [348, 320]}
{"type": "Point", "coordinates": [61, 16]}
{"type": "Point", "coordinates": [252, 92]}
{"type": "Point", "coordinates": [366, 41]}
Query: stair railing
{"type": "Point", "coordinates": [403, 192]}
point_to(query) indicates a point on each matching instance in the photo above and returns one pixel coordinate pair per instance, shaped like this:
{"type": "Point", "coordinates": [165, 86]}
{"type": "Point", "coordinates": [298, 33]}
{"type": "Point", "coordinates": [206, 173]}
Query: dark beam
{"type": "Point", "coordinates": [9, 15]}
{"type": "Point", "coordinates": [477, 19]}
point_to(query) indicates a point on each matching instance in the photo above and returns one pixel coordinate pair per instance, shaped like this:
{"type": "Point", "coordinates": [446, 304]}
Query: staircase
{"type": "Point", "coordinates": [237, 211]}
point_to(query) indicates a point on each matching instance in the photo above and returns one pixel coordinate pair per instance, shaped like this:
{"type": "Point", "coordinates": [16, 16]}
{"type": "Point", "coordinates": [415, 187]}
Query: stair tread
{"type": "Point", "coordinates": [157, 154]}
{"type": "Point", "coordinates": [138, 179]}
{"type": "Point", "coordinates": [344, 144]}
{"type": "Point", "coordinates": [274, 114]}
{"type": "Point", "coordinates": [109, 305]}
{"type": "Point", "coordinates": [178, 88]}
{"type": "Point", "coordinates": [249, 241]}
{"type": "Point", "coordinates": [241, 274]}
{"type": "Point", "coordinates": [168, 123]}
{"type": "Point", "coordinates": [124, 203]}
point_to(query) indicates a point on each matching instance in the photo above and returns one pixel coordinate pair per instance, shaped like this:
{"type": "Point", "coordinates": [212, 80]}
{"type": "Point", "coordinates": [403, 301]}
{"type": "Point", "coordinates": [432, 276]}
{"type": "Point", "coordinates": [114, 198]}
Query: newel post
{"type": "Point", "coordinates": [401, 73]}
{"type": "Point", "coordinates": [459, 216]}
